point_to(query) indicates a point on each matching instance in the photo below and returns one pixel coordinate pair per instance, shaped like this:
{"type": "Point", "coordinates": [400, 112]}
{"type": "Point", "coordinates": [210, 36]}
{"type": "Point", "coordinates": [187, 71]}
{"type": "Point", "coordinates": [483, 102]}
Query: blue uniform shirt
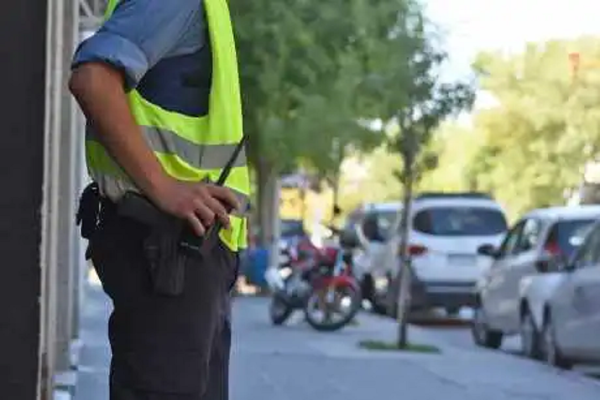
{"type": "Point", "coordinates": [166, 37]}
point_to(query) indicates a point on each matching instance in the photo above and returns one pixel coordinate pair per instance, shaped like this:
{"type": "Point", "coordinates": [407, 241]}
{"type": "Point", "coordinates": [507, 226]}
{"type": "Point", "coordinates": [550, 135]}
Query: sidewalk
{"type": "Point", "coordinates": [296, 363]}
{"type": "Point", "coordinates": [304, 364]}
{"type": "Point", "coordinates": [92, 382]}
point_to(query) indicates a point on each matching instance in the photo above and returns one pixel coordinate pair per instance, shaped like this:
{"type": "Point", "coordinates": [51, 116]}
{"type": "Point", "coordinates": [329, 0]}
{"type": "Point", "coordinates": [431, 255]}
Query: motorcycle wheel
{"type": "Point", "coordinates": [279, 310]}
{"type": "Point", "coordinates": [355, 298]}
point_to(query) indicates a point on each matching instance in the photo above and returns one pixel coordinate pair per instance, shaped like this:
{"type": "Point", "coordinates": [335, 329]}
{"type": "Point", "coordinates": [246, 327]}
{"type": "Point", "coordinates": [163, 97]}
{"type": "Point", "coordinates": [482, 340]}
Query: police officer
{"type": "Point", "coordinates": [159, 86]}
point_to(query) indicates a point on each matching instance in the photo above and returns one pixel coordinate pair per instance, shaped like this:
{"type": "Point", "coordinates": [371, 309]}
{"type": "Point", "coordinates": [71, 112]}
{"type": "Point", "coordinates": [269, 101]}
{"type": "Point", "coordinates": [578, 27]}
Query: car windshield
{"type": "Point", "coordinates": [291, 228]}
{"type": "Point", "coordinates": [570, 234]}
{"type": "Point", "coordinates": [385, 220]}
{"type": "Point", "coordinates": [460, 221]}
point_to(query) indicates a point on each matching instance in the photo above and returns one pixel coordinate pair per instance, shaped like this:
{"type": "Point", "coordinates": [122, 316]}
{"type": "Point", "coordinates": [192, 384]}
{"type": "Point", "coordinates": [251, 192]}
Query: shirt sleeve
{"type": "Point", "coordinates": [138, 35]}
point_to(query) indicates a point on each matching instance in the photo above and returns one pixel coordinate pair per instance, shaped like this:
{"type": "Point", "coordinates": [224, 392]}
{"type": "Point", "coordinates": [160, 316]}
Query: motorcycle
{"type": "Point", "coordinates": [319, 282]}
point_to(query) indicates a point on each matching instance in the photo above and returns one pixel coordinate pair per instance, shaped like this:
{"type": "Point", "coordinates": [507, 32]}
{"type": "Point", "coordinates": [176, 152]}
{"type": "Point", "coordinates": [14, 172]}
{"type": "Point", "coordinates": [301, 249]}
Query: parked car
{"type": "Point", "coordinates": [382, 217]}
{"type": "Point", "coordinates": [560, 311]}
{"type": "Point", "coordinates": [538, 243]}
{"type": "Point", "coordinates": [445, 231]}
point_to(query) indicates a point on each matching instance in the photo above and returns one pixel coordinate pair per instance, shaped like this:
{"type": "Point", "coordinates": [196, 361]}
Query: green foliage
{"type": "Point", "coordinates": [423, 101]}
{"type": "Point", "coordinates": [456, 147]}
{"type": "Point", "coordinates": [378, 183]}
{"type": "Point", "coordinates": [377, 345]}
{"type": "Point", "coordinates": [311, 70]}
{"type": "Point", "coordinates": [531, 146]}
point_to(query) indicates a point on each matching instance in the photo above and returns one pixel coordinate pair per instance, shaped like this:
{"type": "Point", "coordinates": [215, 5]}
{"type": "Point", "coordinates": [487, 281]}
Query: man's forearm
{"type": "Point", "coordinates": [98, 89]}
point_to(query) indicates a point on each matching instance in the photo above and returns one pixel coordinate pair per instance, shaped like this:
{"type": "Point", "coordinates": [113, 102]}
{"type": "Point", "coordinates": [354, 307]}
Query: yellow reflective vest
{"type": "Point", "coordinates": [190, 148]}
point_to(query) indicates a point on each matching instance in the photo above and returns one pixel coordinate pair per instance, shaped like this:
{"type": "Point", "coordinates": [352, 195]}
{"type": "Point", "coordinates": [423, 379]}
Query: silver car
{"type": "Point", "coordinates": [561, 311]}
{"type": "Point", "coordinates": [538, 244]}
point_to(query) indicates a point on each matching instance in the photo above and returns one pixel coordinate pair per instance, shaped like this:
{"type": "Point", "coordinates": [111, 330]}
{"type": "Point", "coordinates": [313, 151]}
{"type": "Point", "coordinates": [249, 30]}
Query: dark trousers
{"type": "Point", "coordinates": [164, 348]}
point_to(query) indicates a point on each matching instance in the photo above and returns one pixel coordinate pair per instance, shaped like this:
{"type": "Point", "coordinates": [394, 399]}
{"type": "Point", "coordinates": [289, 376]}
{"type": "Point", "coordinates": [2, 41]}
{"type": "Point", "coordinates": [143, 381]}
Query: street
{"type": "Point", "coordinates": [296, 363]}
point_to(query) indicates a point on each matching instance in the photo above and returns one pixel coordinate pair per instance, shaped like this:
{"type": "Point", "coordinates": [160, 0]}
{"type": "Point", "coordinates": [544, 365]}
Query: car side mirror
{"type": "Point", "coordinates": [488, 250]}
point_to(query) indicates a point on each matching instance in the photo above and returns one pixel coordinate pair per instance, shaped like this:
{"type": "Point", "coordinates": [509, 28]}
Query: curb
{"type": "Point", "coordinates": [65, 382]}
{"type": "Point", "coordinates": [62, 395]}
{"type": "Point", "coordinates": [75, 351]}
{"type": "Point", "coordinates": [64, 385]}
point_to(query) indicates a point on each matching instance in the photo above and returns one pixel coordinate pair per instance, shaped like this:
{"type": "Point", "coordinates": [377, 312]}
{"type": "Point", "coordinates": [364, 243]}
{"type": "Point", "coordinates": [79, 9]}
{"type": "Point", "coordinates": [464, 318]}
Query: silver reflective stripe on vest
{"type": "Point", "coordinates": [212, 156]}
{"type": "Point", "coordinates": [244, 203]}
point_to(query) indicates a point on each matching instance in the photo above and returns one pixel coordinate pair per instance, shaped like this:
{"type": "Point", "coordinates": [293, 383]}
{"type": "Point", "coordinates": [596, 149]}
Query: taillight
{"type": "Point", "coordinates": [415, 250]}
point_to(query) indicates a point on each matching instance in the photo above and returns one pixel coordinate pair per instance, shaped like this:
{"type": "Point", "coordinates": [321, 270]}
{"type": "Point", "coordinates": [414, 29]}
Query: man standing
{"type": "Point", "coordinates": [159, 86]}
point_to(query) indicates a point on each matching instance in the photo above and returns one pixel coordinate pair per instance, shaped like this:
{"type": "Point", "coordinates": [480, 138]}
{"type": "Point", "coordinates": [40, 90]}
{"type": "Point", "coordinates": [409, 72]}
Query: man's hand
{"type": "Point", "coordinates": [200, 204]}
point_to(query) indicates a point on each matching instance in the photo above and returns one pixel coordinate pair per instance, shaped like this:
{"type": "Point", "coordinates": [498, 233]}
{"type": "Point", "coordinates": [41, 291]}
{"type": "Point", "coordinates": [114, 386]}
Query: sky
{"type": "Point", "coordinates": [474, 25]}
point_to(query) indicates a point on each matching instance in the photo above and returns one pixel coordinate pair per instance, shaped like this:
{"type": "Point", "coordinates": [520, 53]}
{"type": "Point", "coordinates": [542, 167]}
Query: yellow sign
{"type": "Point", "coordinates": [291, 204]}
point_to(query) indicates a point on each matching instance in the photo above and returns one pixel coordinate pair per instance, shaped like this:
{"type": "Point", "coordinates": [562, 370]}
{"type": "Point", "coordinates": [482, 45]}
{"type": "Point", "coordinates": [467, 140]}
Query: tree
{"type": "Point", "coordinates": [416, 124]}
{"type": "Point", "coordinates": [426, 102]}
{"type": "Point", "coordinates": [310, 71]}
{"type": "Point", "coordinates": [530, 146]}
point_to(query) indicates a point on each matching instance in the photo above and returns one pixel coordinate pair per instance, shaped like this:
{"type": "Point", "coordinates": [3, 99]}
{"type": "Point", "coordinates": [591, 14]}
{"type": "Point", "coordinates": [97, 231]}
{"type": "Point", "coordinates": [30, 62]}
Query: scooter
{"type": "Point", "coordinates": [320, 283]}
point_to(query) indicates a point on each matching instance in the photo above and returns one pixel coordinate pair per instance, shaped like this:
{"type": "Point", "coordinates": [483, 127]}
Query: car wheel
{"type": "Point", "coordinates": [530, 337]}
{"type": "Point", "coordinates": [550, 348]}
{"type": "Point", "coordinates": [369, 293]}
{"type": "Point", "coordinates": [482, 335]}
{"type": "Point", "coordinates": [367, 287]}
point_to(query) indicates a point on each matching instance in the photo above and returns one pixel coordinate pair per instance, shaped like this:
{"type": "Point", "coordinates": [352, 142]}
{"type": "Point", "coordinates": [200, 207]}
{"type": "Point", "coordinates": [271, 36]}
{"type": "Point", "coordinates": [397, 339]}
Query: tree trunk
{"type": "Point", "coordinates": [275, 190]}
{"type": "Point", "coordinates": [264, 191]}
{"type": "Point", "coordinates": [268, 209]}
{"type": "Point", "coordinates": [404, 281]}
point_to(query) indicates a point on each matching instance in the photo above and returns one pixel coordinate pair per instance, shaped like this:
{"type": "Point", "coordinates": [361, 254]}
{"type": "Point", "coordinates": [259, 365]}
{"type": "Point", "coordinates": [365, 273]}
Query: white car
{"type": "Point", "coordinates": [383, 216]}
{"type": "Point", "coordinates": [445, 232]}
{"type": "Point", "coordinates": [560, 311]}
{"type": "Point", "coordinates": [536, 244]}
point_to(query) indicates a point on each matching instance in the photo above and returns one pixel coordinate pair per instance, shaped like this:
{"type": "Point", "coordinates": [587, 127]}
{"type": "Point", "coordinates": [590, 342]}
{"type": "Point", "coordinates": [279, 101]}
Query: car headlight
{"type": "Point", "coordinates": [381, 284]}
{"type": "Point", "coordinates": [285, 272]}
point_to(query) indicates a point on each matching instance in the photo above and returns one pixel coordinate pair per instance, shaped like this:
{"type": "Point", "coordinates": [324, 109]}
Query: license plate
{"type": "Point", "coordinates": [462, 260]}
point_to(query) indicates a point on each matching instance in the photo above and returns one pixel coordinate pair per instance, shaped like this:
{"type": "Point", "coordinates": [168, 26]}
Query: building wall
{"type": "Point", "coordinates": [42, 173]}
{"type": "Point", "coordinates": [41, 176]}
{"type": "Point", "coordinates": [22, 79]}
{"type": "Point", "coordinates": [62, 267]}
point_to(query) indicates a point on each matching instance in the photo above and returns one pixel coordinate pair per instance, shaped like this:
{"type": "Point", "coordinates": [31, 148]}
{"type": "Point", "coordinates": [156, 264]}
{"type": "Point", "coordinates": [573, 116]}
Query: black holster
{"type": "Point", "coordinates": [162, 246]}
{"type": "Point", "coordinates": [88, 213]}
{"type": "Point", "coordinates": [87, 217]}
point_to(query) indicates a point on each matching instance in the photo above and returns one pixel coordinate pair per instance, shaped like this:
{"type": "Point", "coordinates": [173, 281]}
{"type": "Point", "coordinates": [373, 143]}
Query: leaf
{"type": "Point", "coordinates": [312, 70]}
{"type": "Point", "coordinates": [533, 144]}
